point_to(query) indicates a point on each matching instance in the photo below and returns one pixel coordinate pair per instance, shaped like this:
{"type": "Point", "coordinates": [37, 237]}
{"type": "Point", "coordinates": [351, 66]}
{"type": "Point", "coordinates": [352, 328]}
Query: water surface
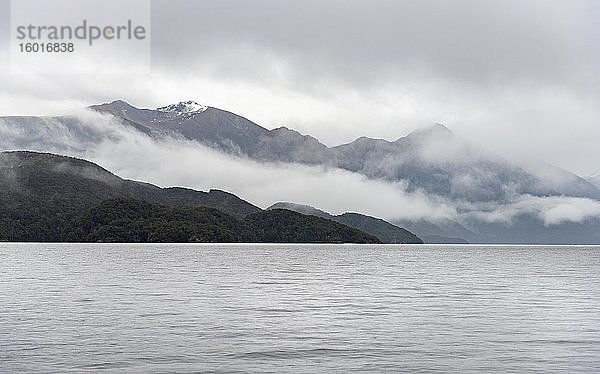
{"type": "Point", "coordinates": [274, 308]}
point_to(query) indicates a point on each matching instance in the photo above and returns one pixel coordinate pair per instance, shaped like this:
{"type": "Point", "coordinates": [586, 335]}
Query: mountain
{"type": "Point", "coordinates": [429, 233]}
{"type": "Point", "coordinates": [384, 231]}
{"type": "Point", "coordinates": [442, 232]}
{"type": "Point", "coordinates": [438, 162]}
{"type": "Point", "coordinates": [220, 129]}
{"type": "Point", "coordinates": [285, 226]}
{"type": "Point", "coordinates": [83, 183]}
{"type": "Point", "coordinates": [136, 221]}
{"type": "Point", "coordinates": [433, 161]}
{"type": "Point", "coordinates": [46, 197]}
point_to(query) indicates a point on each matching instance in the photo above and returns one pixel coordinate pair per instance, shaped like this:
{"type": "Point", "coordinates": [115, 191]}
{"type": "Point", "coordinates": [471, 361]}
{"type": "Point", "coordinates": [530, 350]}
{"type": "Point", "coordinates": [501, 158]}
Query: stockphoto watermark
{"type": "Point", "coordinates": [84, 32]}
{"type": "Point", "coordinates": [80, 36]}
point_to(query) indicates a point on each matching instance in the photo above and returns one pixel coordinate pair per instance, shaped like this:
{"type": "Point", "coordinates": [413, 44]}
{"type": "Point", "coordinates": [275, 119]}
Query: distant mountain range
{"type": "Point", "coordinates": [46, 197]}
{"type": "Point", "coordinates": [433, 161]}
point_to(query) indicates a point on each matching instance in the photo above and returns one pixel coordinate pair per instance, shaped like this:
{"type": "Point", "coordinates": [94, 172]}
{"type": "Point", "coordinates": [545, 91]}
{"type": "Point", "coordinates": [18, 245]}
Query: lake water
{"type": "Point", "coordinates": [295, 308]}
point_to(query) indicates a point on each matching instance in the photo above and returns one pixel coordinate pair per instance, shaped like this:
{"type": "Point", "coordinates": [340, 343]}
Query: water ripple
{"type": "Point", "coordinates": [302, 309]}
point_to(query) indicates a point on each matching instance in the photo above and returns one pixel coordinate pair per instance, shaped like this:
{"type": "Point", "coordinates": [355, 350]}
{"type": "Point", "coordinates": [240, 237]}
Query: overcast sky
{"type": "Point", "coordinates": [519, 77]}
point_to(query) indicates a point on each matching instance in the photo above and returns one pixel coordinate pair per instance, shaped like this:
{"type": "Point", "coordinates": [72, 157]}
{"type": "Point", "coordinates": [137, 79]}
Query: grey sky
{"type": "Point", "coordinates": [471, 41]}
{"type": "Point", "coordinates": [519, 77]}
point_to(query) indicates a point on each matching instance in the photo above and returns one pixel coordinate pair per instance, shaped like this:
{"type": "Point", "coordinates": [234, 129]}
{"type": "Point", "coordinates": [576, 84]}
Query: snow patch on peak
{"type": "Point", "coordinates": [183, 107]}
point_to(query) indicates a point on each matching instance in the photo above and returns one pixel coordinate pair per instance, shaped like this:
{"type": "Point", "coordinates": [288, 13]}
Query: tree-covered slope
{"type": "Point", "coordinates": [46, 197]}
{"type": "Point", "coordinates": [385, 231]}
{"type": "Point", "coordinates": [137, 221]}
{"type": "Point", "coordinates": [382, 230]}
{"type": "Point", "coordinates": [61, 178]}
{"type": "Point", "coordinates": [286, 226]}
{"type": "Point", "coordinates": [41, 193]}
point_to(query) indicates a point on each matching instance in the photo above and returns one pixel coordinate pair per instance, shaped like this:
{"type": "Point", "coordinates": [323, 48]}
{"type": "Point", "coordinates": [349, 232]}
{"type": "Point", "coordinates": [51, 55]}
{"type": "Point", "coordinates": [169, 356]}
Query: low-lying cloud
{"type": "Point", "coordinates": [551, 210]}
{"type": "Point", "coordinates": [179, 162]}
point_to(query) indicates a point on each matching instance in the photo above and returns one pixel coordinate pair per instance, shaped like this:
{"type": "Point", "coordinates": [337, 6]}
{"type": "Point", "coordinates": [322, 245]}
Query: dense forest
{"type": "Point", "coordinates": [50, 198]}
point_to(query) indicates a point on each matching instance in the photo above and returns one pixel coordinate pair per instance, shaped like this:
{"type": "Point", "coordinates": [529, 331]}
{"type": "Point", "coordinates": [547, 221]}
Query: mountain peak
{"type": "Point", "coordinates": [183, 107]}
{"type": "Point", "coordinates": [115, 106]}
{"type": "Point", "coordinates": [437, 130]}
{"type": "Point", "coordinates": [440, 127]}
{"type": "Point", "coordinates": [117, 103]}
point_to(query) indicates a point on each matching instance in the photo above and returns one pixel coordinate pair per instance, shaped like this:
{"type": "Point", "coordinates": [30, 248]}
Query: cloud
{"type": "Point", "coordinates": [552, 210]}
{"type": "Point", "coordinates": [178, 162]}
{"type": "Point", "coordinates": [519, 77]}
{"type": "Point", "coordinates": [466, 40]}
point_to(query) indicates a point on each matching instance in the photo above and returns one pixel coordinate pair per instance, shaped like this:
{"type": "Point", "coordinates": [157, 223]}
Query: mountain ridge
{"type": "Point", "coordinates": [384, 231]}
{"type": "Point", "coordinates": [407, 158]}
{"type": "Point", "coordinates": [47, 197]}
{"type": "Point", "coordinates": [431, 162]}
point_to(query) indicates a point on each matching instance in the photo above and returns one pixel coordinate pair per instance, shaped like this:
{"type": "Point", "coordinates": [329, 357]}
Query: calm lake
{"type": "Point", "coordinates": [298, 308]}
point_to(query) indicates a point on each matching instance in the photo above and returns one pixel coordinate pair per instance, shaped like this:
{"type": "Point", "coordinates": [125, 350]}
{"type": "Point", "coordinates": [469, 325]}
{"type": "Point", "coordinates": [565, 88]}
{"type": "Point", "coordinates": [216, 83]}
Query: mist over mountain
{"type": "Point", "coordinates": [46, 197]}
{"type": "Point", "coordinates": [431, 182]}
{"type": "Point", "coordinates": [224, 130]}
{"type": "Point", "coordinates": [432, 159]}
